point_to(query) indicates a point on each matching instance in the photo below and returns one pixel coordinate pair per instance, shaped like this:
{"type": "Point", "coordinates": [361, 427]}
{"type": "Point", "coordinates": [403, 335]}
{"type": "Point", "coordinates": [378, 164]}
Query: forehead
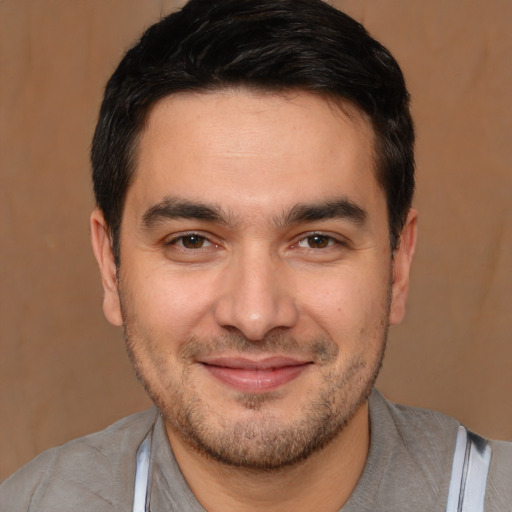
{"type": "Point", "coordinates": [248, 148]}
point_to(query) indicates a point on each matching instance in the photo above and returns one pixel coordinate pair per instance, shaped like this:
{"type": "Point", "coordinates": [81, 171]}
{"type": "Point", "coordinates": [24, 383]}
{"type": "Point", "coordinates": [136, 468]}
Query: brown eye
{"type": "Point", "coordinates": [193, 241]}
{"type": "Point", "coordinates": [316, 242]}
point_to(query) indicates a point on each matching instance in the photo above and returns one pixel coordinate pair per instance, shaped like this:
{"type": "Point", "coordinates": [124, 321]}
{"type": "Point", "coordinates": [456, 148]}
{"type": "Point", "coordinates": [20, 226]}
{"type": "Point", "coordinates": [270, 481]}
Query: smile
{"type": "Point", "coordinates": [255, 376]}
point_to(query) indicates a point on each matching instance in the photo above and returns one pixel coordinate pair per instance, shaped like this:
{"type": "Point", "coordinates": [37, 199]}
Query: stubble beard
{"type": "Point", "coordinates": [259, 442]}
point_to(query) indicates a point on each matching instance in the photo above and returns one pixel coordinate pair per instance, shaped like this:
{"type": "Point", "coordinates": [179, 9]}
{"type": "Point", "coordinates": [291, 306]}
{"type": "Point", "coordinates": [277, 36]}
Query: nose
{"type": "Point", "coordinates": [256, 297]}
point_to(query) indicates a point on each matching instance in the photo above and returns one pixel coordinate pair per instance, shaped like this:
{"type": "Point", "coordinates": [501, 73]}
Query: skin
{"type": "Point", "coordinates": [256, 287]}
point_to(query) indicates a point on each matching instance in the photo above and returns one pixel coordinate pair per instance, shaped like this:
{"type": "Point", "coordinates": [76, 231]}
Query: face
{"type": "Point", "coordinates": [256, 282]}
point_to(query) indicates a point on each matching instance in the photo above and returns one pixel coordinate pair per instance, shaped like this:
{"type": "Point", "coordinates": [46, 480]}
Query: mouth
{"type": "Point", "coordinates": [255, 376]}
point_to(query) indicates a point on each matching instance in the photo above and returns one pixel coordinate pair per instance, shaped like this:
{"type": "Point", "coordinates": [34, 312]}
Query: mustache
{"type": "Point", "coordinates": [321, 350]}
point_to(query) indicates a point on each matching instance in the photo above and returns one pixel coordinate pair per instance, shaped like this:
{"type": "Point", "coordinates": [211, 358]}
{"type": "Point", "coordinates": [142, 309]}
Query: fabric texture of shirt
{"type": "Point", "coordinates": [408, 468]}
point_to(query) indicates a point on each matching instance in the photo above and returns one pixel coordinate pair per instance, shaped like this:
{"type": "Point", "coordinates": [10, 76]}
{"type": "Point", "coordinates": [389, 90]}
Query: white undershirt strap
{"type": "Point", "coordinates": [142, 475]}
{"type": "Point", "coordinates": [470, 467]}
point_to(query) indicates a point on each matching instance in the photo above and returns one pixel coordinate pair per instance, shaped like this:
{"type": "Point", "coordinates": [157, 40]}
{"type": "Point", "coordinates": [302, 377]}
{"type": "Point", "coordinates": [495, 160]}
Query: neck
{"type": "Point", "coordinates": [324, 481]}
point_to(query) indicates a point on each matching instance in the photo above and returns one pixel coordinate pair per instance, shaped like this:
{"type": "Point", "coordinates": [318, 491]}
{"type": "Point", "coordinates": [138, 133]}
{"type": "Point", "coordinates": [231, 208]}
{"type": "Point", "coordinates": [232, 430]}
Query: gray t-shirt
{"type": "Point", "coordinates": [408, 468]}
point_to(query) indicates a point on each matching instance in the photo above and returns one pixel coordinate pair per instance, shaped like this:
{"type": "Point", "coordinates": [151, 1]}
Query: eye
{"type": "Point", "coordinates": [191, 241]}
{"type": "Point", "coordinates": [317, 241]}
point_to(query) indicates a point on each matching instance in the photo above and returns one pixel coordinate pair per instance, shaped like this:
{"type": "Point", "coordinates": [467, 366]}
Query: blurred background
{"type": "Point", "coordinates": [63, 369]}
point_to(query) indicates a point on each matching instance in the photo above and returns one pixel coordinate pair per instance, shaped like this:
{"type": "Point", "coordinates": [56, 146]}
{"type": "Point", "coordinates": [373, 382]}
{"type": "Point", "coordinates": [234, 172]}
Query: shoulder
{"type": "Point", "coordinates": [428, 439]}
{"type": "Point", "coordinates": [91, 472]}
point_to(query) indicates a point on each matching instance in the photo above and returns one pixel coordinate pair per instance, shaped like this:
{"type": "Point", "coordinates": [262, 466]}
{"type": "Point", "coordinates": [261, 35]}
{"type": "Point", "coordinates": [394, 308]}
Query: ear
{"type": "Point", "coordinates": [402, 259]}
{"type": "Point", "coordinates": [102, 247]}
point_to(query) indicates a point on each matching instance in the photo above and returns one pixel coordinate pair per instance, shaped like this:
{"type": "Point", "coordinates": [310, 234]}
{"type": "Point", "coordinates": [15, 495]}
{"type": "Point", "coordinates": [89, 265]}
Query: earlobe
{"type": "Point", "coordinates": [402, 260]}
{"type": "Point", "coordinates": [102, 248]}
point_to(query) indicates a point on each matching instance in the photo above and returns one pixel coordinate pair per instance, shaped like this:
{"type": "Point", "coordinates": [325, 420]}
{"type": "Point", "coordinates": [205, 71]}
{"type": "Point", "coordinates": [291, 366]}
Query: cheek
{"type": "Point", "coordinates": [351, 307]}
{"type": "Point", "coordinates": [169, 304]}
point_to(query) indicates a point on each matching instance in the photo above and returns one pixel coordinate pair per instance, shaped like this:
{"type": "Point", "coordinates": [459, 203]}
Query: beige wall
{"type": "Point", "coordinates": [63, 371]}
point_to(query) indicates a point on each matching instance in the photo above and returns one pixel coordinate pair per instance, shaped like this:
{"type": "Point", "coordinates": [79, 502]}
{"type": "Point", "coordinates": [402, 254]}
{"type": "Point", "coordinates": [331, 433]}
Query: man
{"type": "Point", "coordinates": [253, 170]}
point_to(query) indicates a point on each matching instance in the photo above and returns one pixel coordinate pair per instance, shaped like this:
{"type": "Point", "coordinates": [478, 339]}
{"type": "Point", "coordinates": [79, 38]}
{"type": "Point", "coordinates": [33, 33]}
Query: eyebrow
{"type": "Point", "coordinates": [170, 208]}
{"type": "Point", "coordinates": [340, 208]}
{"type": "Point", "coordinates": [174, 208]}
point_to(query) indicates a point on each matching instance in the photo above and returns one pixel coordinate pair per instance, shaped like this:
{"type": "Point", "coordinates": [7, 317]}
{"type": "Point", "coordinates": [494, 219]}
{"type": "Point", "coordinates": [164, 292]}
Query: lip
{"type": "Point", "coordinates": [255, 376]}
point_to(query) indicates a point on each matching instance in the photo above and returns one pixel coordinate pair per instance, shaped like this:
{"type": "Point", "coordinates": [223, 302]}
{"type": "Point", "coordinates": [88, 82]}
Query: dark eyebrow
{"type": "Point", "coordinates": [170, 208]}
{"type": "Point", "coordinates": [174, 208]}
{"type": "Point", "coordinates": [341, 208]}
